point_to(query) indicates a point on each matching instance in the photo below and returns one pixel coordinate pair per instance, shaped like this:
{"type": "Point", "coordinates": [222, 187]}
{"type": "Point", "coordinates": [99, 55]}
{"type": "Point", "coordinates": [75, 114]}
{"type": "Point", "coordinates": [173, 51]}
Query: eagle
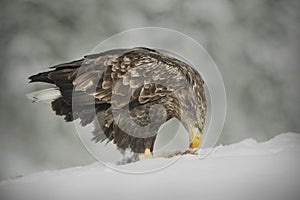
{"type": "Point", "coordinates": [128, 94]}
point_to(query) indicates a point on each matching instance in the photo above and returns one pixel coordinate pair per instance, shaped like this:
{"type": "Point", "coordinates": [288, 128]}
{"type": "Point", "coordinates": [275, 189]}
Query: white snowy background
{"type": "Point", "coordinates": [256, 47]}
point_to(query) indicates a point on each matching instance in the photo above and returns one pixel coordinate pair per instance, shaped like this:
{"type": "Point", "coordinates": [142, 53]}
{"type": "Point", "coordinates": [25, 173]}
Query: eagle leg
{"type": "Point", "coordinates": [129, 159]}
{"type": "Point", "coordinates": [146, 154]}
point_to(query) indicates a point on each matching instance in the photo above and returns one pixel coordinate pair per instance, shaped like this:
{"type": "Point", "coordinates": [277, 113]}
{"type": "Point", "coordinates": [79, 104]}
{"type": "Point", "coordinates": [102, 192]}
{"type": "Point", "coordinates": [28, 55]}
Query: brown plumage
{"type": "Point", "coordinates": [128, 94]}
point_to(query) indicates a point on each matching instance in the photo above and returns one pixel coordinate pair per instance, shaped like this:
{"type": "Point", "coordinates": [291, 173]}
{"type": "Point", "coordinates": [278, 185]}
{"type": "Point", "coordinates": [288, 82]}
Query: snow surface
{"type": "Point", "coordinates": [245, 170]}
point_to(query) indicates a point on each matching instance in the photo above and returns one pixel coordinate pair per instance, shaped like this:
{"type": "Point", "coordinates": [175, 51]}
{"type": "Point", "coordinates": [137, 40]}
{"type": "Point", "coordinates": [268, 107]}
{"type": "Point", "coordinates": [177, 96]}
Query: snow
{"type": "Point", "coordinates": [244, 170]}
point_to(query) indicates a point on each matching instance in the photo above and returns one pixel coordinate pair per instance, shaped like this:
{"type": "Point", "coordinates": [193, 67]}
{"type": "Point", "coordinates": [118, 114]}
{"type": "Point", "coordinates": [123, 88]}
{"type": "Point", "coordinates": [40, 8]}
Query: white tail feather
{"type": "Point", "coordinates": [45, 96]}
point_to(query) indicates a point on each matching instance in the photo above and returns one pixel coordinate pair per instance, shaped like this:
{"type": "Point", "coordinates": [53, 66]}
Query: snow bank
{"type": "Point", "coordinates": [245, 170]}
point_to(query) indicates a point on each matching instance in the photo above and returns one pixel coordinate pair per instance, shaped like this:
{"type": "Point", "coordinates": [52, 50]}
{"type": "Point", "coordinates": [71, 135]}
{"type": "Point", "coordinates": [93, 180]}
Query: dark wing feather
{"type": "Point", "coordinates": [64, 76]}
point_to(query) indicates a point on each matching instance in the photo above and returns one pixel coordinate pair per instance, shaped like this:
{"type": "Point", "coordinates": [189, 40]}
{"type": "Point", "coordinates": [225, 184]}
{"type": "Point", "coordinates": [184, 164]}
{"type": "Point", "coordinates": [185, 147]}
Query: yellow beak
{"type": "Point", "coordinates": [194, 143]}
{"type": "Point", "coordinates": [195, 139]}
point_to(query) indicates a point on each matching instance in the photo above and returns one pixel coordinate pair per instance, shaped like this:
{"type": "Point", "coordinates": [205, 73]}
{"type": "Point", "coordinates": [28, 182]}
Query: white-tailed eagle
{"type": "Point", "coordinates": [117, 89]}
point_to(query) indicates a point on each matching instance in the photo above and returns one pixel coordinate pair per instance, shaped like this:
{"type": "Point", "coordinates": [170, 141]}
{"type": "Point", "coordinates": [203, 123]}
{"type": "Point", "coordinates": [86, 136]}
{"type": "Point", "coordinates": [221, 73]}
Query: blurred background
{"type": "Point", "coordinates": [254, 43]}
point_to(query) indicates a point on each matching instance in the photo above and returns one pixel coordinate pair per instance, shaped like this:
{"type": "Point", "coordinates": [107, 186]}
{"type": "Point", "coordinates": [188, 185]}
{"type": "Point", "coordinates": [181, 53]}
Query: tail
{"type": "Point", "coordinates": [45, 96]}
